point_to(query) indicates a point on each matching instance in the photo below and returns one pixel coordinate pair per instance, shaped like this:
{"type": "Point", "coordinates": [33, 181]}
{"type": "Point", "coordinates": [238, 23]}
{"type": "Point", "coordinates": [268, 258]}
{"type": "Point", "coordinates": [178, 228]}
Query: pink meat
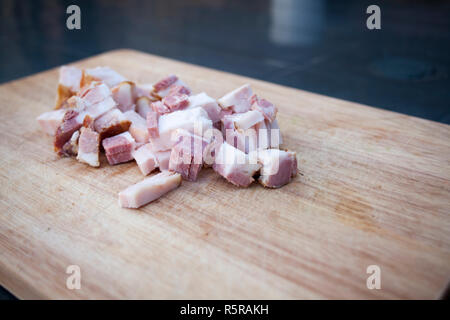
{"type": "Point", "coordinates": [235, 166]}
{"type": "Point", "coordinates": [119, 149]}
{"type": "Point", "coordinates": [124, 94]}
{"type": "Point", "coordinates": [238, 100]}
{"type": "Point", "coordinates": [143, 106]}
{"type": "Point", "coordinates": [138, 128]}
{"type": "Point", "coordinates": [267, 108]}
{"type": "Point", "coordinates": [278, 167]}
{"type": "Point", "coordinates": [179, 90]}
{"type": "Point", "coordinates": [160, 108]}
{"type": "Point", "coordinates": [152, 124]}
{"type": "Point", "coordinates": [50, 121]}
{"type": "Point", "coordinates": [71, 122]}
{"type": "Point", "coordinates": [186, 157]}
{"type": "Point", "coordinates": [176, 102]}
{"type": "Point", "coordinates": [70, 77]}
{"type": "Point", "coordinates": [145, 159]}
{"type": "Point", "coordinates": [88, 147]}
{"type": "Point", "coordinates": [163, 158]}
{"type": "Point", "coordinates": [109, 76]}
{"type": "Point", "coordinates": [149, 189]}
{"type": "Point", "coordinates": [165, 83]}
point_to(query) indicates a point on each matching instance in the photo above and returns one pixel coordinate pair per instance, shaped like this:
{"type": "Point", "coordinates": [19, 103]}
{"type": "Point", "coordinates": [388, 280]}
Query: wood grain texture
{"type": "Point", "coordinates": [374, 190]}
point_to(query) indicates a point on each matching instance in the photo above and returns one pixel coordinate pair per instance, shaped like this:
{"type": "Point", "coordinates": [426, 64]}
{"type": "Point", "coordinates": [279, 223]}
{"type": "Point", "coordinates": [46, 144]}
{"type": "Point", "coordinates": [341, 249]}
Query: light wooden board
{"type": "Point", "coordinates": [374, 190]}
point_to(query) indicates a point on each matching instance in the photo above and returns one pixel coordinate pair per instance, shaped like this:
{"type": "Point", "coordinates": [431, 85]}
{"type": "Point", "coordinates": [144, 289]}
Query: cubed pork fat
{"type": "Point", "coordinates": [71, 122]}
{"type": "Point", "coordinates": [70, 148]}
{"type": "Point", "coordinates": [124, 94]}
{"type": "Point", "coordinates": [278, 167]}
{"type": "Point", "coordinates": [143, 106]}
{"type": "Point", "coordinates": [145, 158]}
{"type": "Point", "coordinates": [88, 147]}
{"type": "Point", "coordinates": [119, 148]}
{"type": "Point", "coordinates": [111, 123]}
{"type": "Point", "coordinates": [190, 119]}
{"type": "Point", "coordinates": [69, 84]}
{"type": "Point", "coordinates": [202, 100]}
{"type": "Point", "coordinates": [267, 108]}
{"type": "Point", "coordinates": [235, 166]}
{"type": "Point", "coordinates": [149, 189]}
{"type": "Point", "coordinates": [50, 121]}
{"type": "Point", "coordinates": [138, 127]}
{"type": "Point", "coordinates": [186, 157]}
{"type": "Point", "coordinates": [238, 100]}
{"type": "Point", "coordinates": [110, 77]}
{"type": "Point", "coordinates": [162, 87]}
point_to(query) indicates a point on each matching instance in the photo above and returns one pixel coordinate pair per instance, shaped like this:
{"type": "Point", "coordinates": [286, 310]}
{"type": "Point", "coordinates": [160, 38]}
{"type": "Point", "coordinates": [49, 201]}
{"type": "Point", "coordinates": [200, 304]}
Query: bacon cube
{"type": "Point", "coordinates": [267, 108]}
{"type": "Point", "coordinates": [149, 189]}
{"type": "Point", "coordinates": [138, 127]}
{"type": "Point", "coordinates": [119, 148]}
{"type": "Point", "coordinates": [239, 100]}
{"type": "Point", "coordinates": [202, 100]}
{"type": "Point", "coordinates": [124, 94]}
{"type": "Point", "coordinates": [69, 84]}
{"type": "Point", "coordinates": [145, 158]}
{"type": "Point", "coordinates": [50, 121]}
{"type": "Point", "coordinates": [111, 123]}
{"type": "Point", "coordinates": [278, 167]}
{"type": "Point", "coordinates": [109, 76]}
{"type": "Point", "coordinates": [88, 147]}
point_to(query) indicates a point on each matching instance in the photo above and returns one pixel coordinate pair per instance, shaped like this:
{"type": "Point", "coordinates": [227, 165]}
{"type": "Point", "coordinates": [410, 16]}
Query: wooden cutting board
{"type": "Point", "coordinates": [374, 190]}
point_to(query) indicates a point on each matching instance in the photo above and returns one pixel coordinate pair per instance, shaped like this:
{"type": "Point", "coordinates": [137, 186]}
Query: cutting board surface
{"type": "Point", "coordinates": [374, 190]}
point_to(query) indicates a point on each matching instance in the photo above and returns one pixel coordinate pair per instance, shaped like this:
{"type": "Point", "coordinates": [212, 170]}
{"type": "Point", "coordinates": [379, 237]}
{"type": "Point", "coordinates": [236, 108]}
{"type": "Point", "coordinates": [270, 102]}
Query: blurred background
{"type": "Point", "coordinates": [315, 45]}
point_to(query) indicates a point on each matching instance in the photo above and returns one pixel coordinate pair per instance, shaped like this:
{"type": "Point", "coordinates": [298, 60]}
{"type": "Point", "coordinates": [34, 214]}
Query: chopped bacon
{"type": "Point", "coordinates": [145, 90]}
{"type": "Point", "coordinates": [267, 108]}
{"type": "Point", "coordinates": [149, 189]}
{"type": "Point", "coordinates": [165, 83]}
{"type": "Point", "coordinates": [145, 159]}
{"type": "Point", "coordinates": [88, 147]}
{"type": "Point", "coordinates": [186, 157]}
{"type": "Point", "coordinates": [163, 158]}
{"type": "Point", "coordinates": [111, 123]}
{"type": "Point", "coordinates": [71, 122]}
{"type": "Point", "coordinates": [176, 102]}
{"type": "Point", "coordinates": [124, 94]}
{"type": "Point", "coordinates": [138, 127]}
{"type": "Point", "coordinates": [110, 77]}
{"type": "Point", "coordinates": [50, 121]}
{"type": "Point", "coordinates": [152, 124]}
{"type": "Point", "coordinates": [244, 140]}
{"type": "Point", "coordinates": [238, 100]}
{"type": "Point", "coordinates": [160, 107]}
{"type": "Point", "coordinates": [210, 105]}
{"type": "Point", "coordinates": [119, 148]}
{"type": "Point", "coordinates": [179, 90]}
{"type": "Point", "coordinates": [235, 166]}
{"type": "Point", "coordinates": [189, 119]}
{"type": "Point", "coordinates": [70, 148]}
{"type": "Point", "coordinates": [278, 167]}
{"type": "Point", "coordinates": [243, 120]}
{"type": "Point", "coordinates": [275, 136]}
{"type": "Point", "coordinates": [143, 106]}
{"type": "Point", "coordinates": [69, 84]}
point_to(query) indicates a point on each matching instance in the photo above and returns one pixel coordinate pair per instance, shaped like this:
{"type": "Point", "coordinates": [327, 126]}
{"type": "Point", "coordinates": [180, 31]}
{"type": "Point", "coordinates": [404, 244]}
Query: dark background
{"type": "Point", "coordinates": [315, 45]}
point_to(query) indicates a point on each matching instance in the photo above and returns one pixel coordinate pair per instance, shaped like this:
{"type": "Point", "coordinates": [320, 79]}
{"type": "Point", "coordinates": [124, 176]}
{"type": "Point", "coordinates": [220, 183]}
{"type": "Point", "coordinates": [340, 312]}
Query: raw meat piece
{"type": "Point", "coordinates": [190, 119]}
{"type": "Point", "coordinates": [88, 147]}
{"type": "Point", "coordinates": [152, 124]}
{"type": "Point", "coordinates": [70, 148]}
{"type": "Point", "coordinates": [138, 127]}
{"type": "Point", "coordinates": [244, 140]}
{"type": "Point", "coordinates": [278, 167]}
{"type": "Point", "coordinates": [145, 90]}
{"type": "Point", "coordinates": [143, 106]}
{"type": "Point", "coordinates": [110, 77]}
{"type": "Point", "coordinates": [118, 149]}
{"type": "Point", "coordinates": [69, 84]}
{"type": "Point", "coordinates": [145, 159]}
{"type": "Point", "coordinates": [71, 122]}
{"type": "Point", "coordinates": [274, 134]}
{"type": "Point", "coordinates": [162, 158]}
{"type": "Point", "coordinates": [236, 166]}
{"type": "Point", "coordinates": [238, 100]}
{"type": "Point", "coordinates": [124, 94]}
{"type": "Point", "coordinates": [159, 107]}
{"type": "Point", "coordinates": [179, 90]}
{"type": "Point", "coordinates": [111, 123]}
{"type": "Point", "coordinates": [163, 87]}
{"type": "Point", "coordinates": [94, 93]}
{"type": "Point", "coordinates": [243, 120]}
{"type": "Point", "coordinates": [210, 105]}
{"type": "Point", "coordinates": [267, 108]}
{"type": "Point", "coordinates": [176, 102]}
{"type": "Point", "coordinates": [149, 189]}
{"type": "Point", "coordinates": [186, 157]}
{"type": "Point", "coordinates": [50, 121]}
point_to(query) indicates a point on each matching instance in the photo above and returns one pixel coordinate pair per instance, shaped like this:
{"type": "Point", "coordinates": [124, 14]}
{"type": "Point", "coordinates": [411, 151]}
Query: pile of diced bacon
{"type": "Point", "coordinates": [166, 127]}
